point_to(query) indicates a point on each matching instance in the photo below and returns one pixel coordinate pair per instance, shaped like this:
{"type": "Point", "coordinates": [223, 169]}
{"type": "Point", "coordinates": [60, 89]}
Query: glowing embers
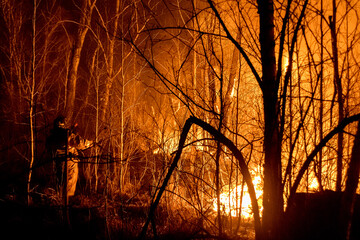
{"type": "Point", "coordinates": [231, 200]}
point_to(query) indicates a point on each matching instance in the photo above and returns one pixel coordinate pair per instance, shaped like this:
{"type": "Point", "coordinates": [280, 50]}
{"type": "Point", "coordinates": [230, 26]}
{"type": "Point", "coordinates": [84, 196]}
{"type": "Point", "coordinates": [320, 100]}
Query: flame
{"type": "Point", "coordinates": [230, 200]}
{"type": "Point", "coordinates": [313, 185]}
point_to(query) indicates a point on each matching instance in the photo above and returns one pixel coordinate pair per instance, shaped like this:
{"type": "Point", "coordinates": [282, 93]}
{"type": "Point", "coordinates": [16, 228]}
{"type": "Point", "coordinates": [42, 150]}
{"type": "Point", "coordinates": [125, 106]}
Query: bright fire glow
{"type": "Point", "coordinates": [313, 185]}
{"type": "Point", "coordinates": [230, 200]}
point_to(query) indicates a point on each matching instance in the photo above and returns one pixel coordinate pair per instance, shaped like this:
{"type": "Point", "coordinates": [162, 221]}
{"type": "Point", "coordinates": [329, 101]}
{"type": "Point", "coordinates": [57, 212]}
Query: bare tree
{"type": "Point", "coordinates": [83, 26]}
{"type": "Point", "coordinates": [32, 99]}
{"type": "Point", "coordinates": [339, 92]}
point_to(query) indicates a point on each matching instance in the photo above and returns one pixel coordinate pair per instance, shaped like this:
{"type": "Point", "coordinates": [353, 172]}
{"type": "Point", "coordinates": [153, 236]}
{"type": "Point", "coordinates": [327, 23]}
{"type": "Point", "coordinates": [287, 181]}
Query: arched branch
{"type": "Point", "coordinates": [235, 151]}
{"type": "Point", "coordinates": [316, 150]}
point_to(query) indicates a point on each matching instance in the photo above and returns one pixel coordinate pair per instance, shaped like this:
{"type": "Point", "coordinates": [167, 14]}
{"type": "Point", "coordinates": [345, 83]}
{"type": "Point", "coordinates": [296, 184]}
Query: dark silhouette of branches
{"type": "Point", "coordinates": [229, 144]}
{"type": "Point", "coordinates": [318, 147]}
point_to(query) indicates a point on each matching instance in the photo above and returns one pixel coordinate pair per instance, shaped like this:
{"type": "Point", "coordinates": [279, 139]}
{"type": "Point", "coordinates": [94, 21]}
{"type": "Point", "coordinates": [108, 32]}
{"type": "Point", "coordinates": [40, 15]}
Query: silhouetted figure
{"type": "Point", "coordinates": [56, 145]}
{"type": "Point", "coordinates": [64, 144]}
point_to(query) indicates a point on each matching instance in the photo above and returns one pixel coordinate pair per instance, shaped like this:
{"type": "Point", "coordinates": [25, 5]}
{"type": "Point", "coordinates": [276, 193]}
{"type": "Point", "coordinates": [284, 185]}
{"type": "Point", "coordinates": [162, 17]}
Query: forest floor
{"type": "Point", "coordinates": [91, 218]}
{"type": "Point", "coordinates": [49, 220]}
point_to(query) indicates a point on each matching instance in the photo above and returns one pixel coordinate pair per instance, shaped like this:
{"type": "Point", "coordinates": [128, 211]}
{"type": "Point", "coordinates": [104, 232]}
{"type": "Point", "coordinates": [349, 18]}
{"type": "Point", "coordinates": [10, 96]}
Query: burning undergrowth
{"type": "Point", "coordinates": [96, 216]}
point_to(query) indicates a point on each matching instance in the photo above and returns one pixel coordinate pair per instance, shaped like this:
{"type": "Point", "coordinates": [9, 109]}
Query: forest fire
{"type": "Point", "coordinates": [185, 103]}
{"type": "Point", "coordinates": [234, 205]}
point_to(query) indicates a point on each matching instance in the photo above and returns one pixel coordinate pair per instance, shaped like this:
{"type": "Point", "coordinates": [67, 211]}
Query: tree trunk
{"type": "Point", "coordinates": [337, 81]}
{"type": "Point", "coordinates": [32, 104]}
{"type": "Point", "coordinates": [110, 68]}
{"type": "Point", "coordinates": [348, 200]}
{"type": "Point", "coordinates": [75, 60]}
{"type": "Point", "coordinates": [321, 110]}
{"type": "Point", "coordinates": [272, 198]}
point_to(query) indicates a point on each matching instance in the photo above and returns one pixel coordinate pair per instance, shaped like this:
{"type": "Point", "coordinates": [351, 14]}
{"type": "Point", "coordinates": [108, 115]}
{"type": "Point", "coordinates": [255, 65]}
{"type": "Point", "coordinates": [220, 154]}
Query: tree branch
{"type": "Point", "coordinates": [317, 148]}
{"type": "Point", "coordinates": [233, 40]}
{"type": "Point", "coordinates": [229, 144]}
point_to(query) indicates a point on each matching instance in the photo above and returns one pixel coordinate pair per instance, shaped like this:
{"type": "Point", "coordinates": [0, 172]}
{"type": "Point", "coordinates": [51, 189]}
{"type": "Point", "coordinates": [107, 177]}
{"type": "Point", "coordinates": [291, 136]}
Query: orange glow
{"type": "Point", "coordinates": [313, 185]}
{"type": "Point", "coordinates": [230, 200]}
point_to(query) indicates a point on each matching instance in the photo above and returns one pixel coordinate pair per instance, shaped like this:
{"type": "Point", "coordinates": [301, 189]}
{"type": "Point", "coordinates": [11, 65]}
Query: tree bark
{"type": "Point", "coordinates": [272, 198]}
{"type": "Point", "coordinates": [110, 79]}
{"type": "Point", "coordinates": [348, 200]}
{"type": "Point", "coordinates": [32, 103]}
{"type": "Point", "coordinates": [321, 109]}
{"type": "Point", "coordinates": [85, 19]}
{"type": "Point", "coordinates": [339, 91]}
